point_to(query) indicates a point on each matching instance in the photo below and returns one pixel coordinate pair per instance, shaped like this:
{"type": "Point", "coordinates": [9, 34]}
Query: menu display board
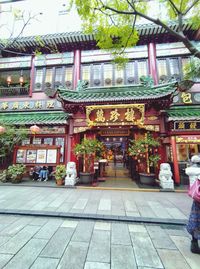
{"type": "Point", "coordinates": [40, 154]}
{"type": "Point", "coordinates": [51, 156]}
{"type": "Point", "coordinates": [21, 156]}
{"type": "Point", "coordinates": [31, 156]}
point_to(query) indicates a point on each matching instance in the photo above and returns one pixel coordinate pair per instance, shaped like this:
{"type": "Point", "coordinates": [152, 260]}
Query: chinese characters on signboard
{"type": "Point", "coordinates": [107, 115]}
{"type": "Point", "coordinates": [188, 139]}
{"type": "Point", "coordinates": [29, 105]}
{"type": "Point", "coordinates": [189, 125]}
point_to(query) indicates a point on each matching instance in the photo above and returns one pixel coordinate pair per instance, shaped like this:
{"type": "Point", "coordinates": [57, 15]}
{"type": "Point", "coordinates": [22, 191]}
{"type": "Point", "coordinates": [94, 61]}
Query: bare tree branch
{"type": "Point", "coordinates": [189, 8]}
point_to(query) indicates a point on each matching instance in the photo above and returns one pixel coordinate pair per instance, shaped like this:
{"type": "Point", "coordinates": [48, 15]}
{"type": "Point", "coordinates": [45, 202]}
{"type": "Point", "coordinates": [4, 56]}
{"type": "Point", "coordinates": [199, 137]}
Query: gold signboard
{"type": "Point", "coordinates": [188, 139]}
{"type": "Point", "coordinates": [107, 115]}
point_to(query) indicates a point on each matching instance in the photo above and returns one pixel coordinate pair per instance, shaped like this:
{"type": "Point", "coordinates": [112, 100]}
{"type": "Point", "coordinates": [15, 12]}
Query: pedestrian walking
{"type": "Point", "coordinates": [193, 226]}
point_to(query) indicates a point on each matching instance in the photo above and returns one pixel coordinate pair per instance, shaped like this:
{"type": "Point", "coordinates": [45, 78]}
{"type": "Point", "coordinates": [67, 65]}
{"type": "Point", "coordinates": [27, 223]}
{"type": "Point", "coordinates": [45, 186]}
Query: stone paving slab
{"type": "Point", "coordinates": [144, 246]}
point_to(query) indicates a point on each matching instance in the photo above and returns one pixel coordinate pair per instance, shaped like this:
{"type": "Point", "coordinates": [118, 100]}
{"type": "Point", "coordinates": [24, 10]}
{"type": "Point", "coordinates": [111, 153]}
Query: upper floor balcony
{"type": "Point", "coordinates": [14, 91]}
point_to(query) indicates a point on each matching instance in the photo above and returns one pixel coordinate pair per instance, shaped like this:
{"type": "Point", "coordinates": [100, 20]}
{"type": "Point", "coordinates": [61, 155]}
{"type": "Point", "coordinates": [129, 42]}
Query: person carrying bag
{"type": "Point", "coordinates": [193, 226]}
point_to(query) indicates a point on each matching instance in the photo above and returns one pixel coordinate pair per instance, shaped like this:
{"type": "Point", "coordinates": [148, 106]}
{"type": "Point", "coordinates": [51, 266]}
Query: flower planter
{"type": "Point", "coordinates": [86, 178]}
{"type": "Point", "coordinates": [148, 179]}
{"type": "Point", "coordinates": [17, 179]}
{"type": "Point", "coordinates": [59, 182]}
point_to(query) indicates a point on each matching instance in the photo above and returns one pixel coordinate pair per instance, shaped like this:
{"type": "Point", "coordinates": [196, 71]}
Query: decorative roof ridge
{"type": "Point", "coordinates": [139, 27]}
{"type": "Point", "coordinates": [118, 88]}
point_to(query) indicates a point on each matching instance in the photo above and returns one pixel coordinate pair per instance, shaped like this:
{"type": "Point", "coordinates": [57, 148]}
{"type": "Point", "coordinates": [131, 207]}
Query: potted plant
{"type": "Point", "coordinates": [144, 151]}
{"type": "Point", "coordinates": [88, 149]}
{"type": "Point", "coordinates": [60, 174]}
{"type": "Point", "coordinates": [15, 172]}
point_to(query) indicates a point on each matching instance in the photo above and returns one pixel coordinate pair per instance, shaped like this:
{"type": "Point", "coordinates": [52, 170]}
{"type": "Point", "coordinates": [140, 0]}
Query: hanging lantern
{"type": "Point", "coordinates": [2, 129]}
{"type": "Point", "coordinates": [35, 129]}
{"type": "Point", "coordinates": [8, 80]}
{"type": "Point", "coordinates": [21, 80]}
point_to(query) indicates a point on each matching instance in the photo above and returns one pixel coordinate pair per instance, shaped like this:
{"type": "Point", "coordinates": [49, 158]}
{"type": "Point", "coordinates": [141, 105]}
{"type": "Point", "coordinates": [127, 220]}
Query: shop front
{"type": "Point", "coordinates": [116, 116]}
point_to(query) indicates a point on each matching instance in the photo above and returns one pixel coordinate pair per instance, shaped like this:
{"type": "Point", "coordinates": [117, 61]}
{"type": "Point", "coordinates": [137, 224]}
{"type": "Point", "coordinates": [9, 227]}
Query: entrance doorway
{"type": "Point", "coordinates": [116, 155]}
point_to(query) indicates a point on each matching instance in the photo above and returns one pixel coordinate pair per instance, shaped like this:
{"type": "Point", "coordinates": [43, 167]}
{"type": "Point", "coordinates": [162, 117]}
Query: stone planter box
{"type": "Point", "coordinates": [148, 179]}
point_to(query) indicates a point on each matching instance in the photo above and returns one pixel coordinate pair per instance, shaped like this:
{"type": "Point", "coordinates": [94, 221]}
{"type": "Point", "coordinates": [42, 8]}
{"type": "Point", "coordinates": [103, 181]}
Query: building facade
{"type": "Point", "coordinates": [79, 92]}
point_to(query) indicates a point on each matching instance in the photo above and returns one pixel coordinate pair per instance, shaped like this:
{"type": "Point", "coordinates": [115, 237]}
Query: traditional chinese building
{"type": "Point", "coordinates": [96, 99]}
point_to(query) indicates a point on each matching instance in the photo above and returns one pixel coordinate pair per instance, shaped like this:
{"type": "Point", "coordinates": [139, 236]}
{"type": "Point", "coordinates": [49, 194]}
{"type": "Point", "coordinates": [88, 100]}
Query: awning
{"type": "Point", "coordinates": [40, 118]}
{"type": "Point", "coordinates": [184, 113]}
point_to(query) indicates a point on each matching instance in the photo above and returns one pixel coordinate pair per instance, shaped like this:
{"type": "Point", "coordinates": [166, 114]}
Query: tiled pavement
{"type": "Point", "coordinates": [93, 243]}
{"type": "Point", "coordinates": [48, 243]}
{"type": "Point", "coordinates": [159, 207]}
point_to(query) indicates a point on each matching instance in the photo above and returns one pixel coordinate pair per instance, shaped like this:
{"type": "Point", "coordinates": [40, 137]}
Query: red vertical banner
{"type": "Point", "coordinates": [175, 160]}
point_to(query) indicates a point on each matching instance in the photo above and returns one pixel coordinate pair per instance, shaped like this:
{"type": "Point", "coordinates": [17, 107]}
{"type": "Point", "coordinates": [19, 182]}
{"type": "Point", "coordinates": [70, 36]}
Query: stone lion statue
{"type": "Point", "coordinates": [71, 174]}
{"type": "Point", "coordinates": [165, 176]}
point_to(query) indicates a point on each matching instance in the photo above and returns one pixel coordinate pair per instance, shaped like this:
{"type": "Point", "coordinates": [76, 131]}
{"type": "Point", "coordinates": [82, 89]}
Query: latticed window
{"type": "Point", "coordinates": [86, 73]}
{"type": "Point", "coordinates": [162, 70]}
{"type": "Point", "coordinates": [130, 73]}
{"type": "Point", "coordinates": [38, 79]}
{"type": "Point", "coordinates": [68, 76]}
{"type": "Point", "coordinates": [174, 68]}
{"type": "Point", "coordinates": [119, 75]}
{"type": "Point", "coordinates": [49, 75]}
{"type": "Point", "coordinates": [142, 68]}
{"type": "Point", "coordinates": [184, 62]}
{"type": "Point", "coordinates": [97, 75]}
{"type": "Point", "coordinates": [58, 74]}
{"type": "Point", "coordinates": [108, 74]}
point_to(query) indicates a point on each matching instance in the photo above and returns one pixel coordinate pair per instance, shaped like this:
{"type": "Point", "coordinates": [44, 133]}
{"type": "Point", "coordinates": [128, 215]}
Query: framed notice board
{"type": "Point", "coordinates": [37, 154]}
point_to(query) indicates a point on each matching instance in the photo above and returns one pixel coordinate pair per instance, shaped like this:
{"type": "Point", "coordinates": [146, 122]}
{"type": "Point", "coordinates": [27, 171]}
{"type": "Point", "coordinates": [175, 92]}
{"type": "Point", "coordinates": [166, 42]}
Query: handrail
{"type": "Point", "coordinates": [14, 91]}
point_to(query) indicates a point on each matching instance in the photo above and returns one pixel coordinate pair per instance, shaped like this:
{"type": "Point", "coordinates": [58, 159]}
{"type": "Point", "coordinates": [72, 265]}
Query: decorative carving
{"type": "Point", "coordinates": [107, 81]}
{"type": "Point", "coordinates": [147, 81]}
{"type": "Point", "coordinates": [50, 92]}
{"type": "Point", "coordinates": [97, 81]}
{"type": "Point", "coordinates": [82, 85]}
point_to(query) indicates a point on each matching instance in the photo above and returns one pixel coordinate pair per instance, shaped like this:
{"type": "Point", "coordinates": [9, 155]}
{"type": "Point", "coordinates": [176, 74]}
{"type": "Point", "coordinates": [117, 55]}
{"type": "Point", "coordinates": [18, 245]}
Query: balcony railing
{"type": "Point", "coordinates": [14, 91]}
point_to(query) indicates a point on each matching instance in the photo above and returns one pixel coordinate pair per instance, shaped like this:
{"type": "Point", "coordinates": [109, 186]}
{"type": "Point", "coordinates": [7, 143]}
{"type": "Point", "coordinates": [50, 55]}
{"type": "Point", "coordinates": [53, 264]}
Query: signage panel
{"type": "Point", "coordinates": [110, 115]}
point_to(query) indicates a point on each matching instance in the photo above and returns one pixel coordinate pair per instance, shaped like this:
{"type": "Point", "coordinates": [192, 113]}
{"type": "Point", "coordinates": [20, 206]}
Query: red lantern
{"type": "Point", "coordinates": [2, 130]}
{"type": "Point", "coordinates": [9, 80]}
{"type": "Point", "coordinates": [21, 80]}
{"type": "Point", "coordinates": [35, 129]}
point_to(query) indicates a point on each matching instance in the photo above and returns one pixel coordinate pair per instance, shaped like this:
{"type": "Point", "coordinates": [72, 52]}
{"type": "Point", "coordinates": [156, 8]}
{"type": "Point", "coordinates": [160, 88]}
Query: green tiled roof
{"type": "Point", "coordinates": [23, 118]}
{"type": "Point", "coordinates": [184, 113]}
{"type": "Point", "coordinates": [125, 93]}
{"type": "Point", "coordinates": [145, 30]}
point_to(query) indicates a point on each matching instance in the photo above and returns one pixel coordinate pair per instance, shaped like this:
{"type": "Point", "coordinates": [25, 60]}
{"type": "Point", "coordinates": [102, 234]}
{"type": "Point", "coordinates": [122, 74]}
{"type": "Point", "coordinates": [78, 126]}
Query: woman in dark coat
{"type": "Point", "coordinates": [193, 226]}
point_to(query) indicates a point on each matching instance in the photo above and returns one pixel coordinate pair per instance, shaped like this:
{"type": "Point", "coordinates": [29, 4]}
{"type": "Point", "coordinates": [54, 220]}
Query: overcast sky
{"type": "Point", "coordinates": [52, 18]}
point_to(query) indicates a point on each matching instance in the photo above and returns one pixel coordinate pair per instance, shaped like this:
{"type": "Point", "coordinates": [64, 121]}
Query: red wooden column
{"type": "Point", "coordinates": [69, 140]}
{"type": "Point", "coordinates": [77, 68]}
{"type": "Point", "coordinates": [32, 75]}
{"type": "Point", "coordinates": [152, 62]}
{"type": "Point", "coordinates": [175, 160]}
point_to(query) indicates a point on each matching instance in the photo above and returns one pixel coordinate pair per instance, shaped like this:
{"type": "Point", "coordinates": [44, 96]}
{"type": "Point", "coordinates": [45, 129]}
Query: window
{"type": "Point", "coordinates": [14, 77]}
{"type": "Point", "coordinates": [174, 68]}
{"type": "Point", "coordinates": [59, 141]}
{"type": "Point", "coordinates": [48, 76]}
{"type": "Point", "coordinates": [130, 73]}
{"type": "Point", "coordinates": [58, 76]}
{"type": "Point", "coordinates": [38, 79]}
{"type": "Point", "coordinates": [108, 74]}
{"type": "Point", "coordinates": [142, 68]}
{"type": "Point", "coordinates": [119, 75]}
{"type": "Point", "coordinates": [86, 73]}
{"type": "Point", "coordinates": [97, 75]}
{"type": "Point", "coordinates": [68, 77]}
{"type": "Point", "coordinates": [162, 70]}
